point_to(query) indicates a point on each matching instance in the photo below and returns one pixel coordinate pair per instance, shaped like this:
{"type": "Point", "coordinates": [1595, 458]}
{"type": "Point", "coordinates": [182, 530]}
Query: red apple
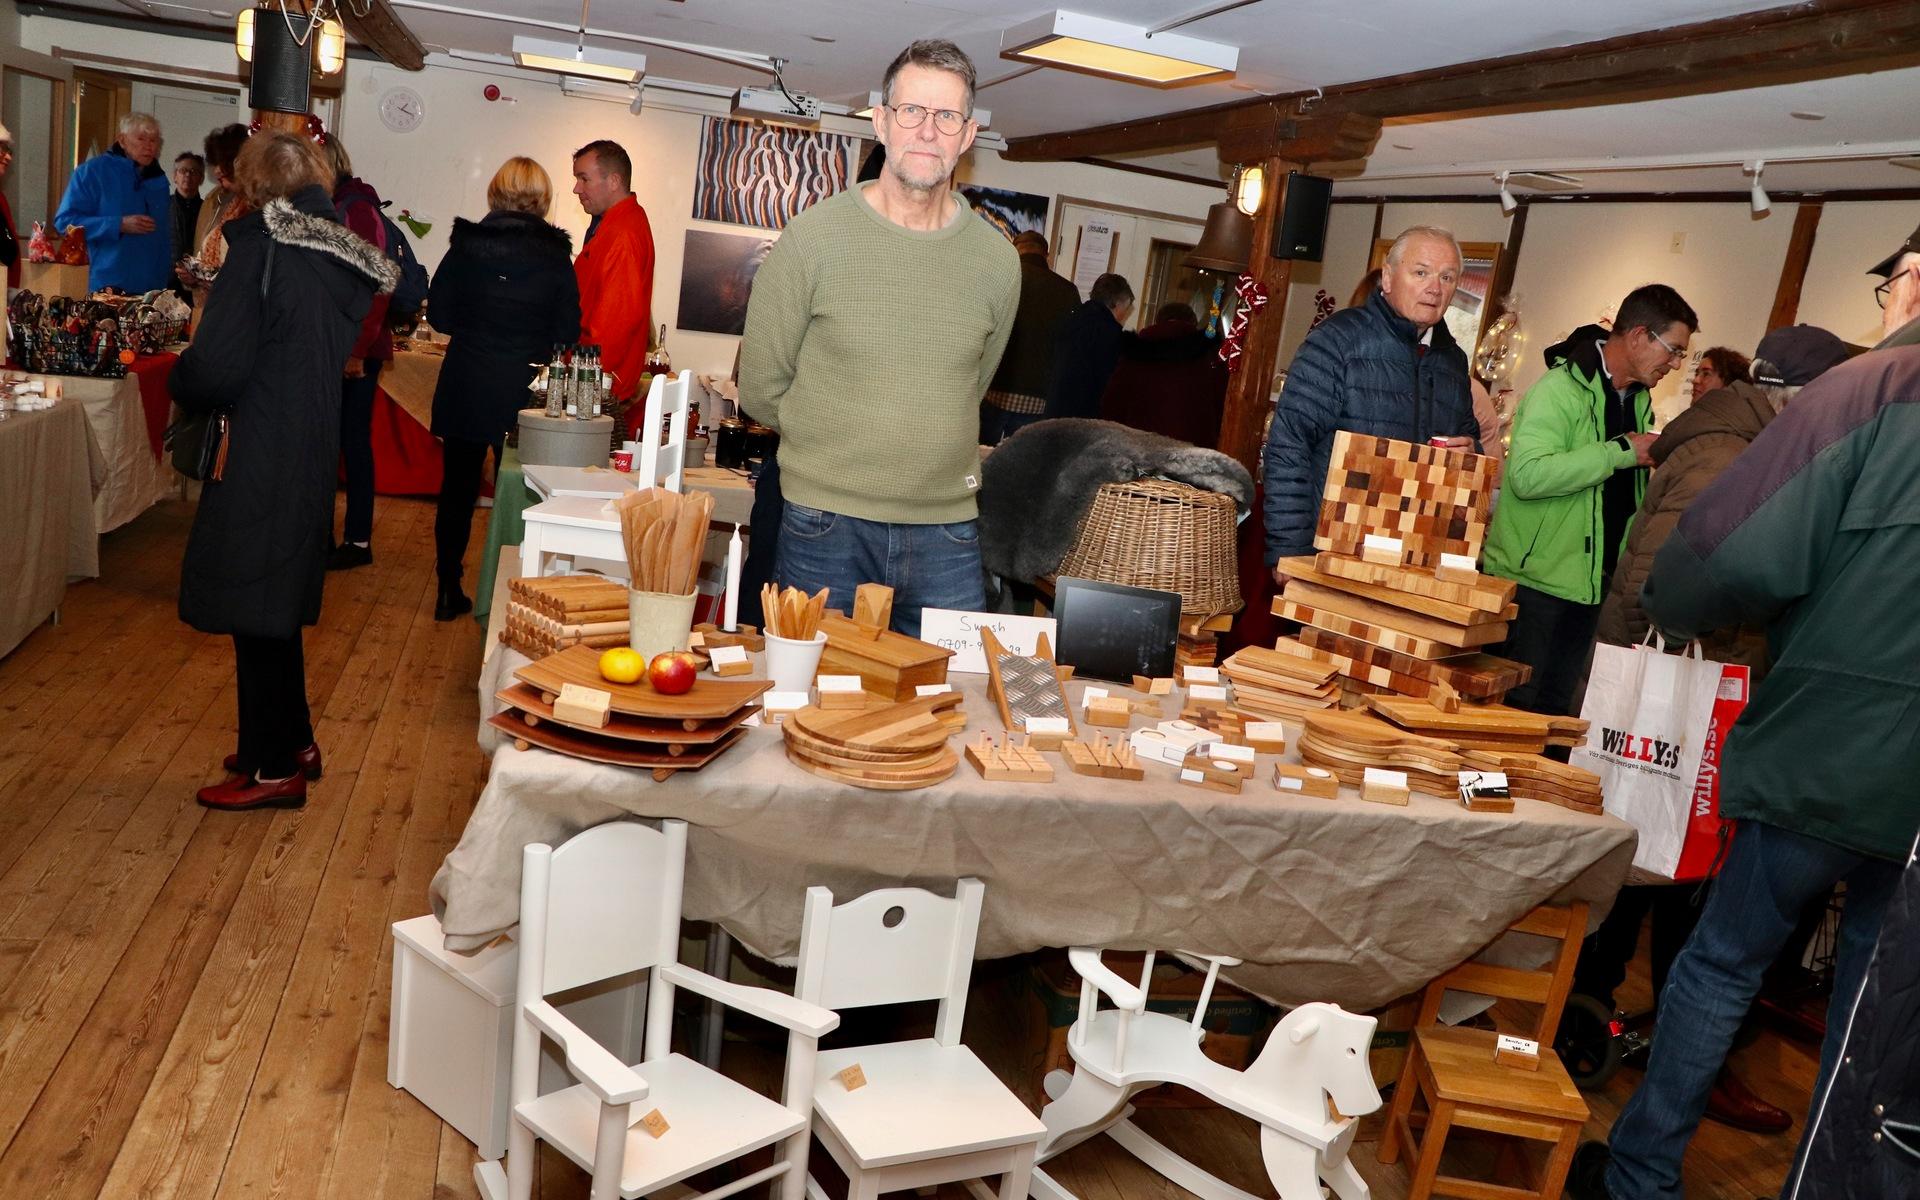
{"type": "Point", "coordinates": [672, 672]}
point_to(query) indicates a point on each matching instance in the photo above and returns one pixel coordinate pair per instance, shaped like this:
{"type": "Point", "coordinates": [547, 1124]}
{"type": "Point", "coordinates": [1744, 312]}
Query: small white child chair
{"type": "Point", "coordinates": [604, 904]}
{"type": "Point", "coordinates": [1316, 1053]}
{"type": "Point", "coordinates": [667, 399]}
{"type": "Point", "coordinates": [930, 1112]}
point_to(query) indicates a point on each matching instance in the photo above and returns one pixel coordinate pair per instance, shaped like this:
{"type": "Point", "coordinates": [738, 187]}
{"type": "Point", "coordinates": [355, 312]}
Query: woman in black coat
{"type": "Point", "coordinates": [505, 294]}
{"type": "Point", "coordinates": [276, 328]}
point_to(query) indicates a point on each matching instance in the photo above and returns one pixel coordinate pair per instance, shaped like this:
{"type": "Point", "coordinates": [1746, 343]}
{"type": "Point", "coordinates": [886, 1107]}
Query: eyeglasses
{"type": "Point", "coordinates": [1671, 351]}
{"type": "Point", "coordinates": [1881, 293]}
{"type": "Point", "coordinates": [913, 116]}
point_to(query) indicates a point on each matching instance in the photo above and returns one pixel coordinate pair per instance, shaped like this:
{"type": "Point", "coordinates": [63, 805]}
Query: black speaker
{"type": "Point", "coordinates": [1301, 231]}
{"type": "Point", "coordinates": [282, 67]}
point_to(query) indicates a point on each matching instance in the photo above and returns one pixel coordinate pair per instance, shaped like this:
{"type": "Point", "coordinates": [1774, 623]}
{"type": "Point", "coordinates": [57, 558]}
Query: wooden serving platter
{"type": "Point", "coordinates": [709, 699]}
{"type": "Point", "coordinates": [1306, 570]}
{"type": "Point", "coordinates": [1496, 719]}
{"type": "Point", "coordinates": [1488, 593]}
{"type": "Point", "coordinates": [575, 744]}
{"type": "Point", "coordinates": [530, 701]}
{"type": "Point", "coordinates": [1356, 608]}
{"type": "Point", "coordinates": [917, 726]}
{"type": "Point", "coordinates": [876, 776]}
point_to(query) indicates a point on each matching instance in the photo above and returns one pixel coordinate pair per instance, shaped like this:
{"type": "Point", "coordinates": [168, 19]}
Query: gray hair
{"type": "Point", "coordinates": [936, 54]}
{"type": "Point", "coordinates": [1777, 394]}
{"type": "Point", "coordinates": [139, 120]}
{"type": "Point", "coordinates": [1423, 231]}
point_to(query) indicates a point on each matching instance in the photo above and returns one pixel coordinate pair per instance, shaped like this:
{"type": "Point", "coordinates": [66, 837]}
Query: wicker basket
{"type": "Point", "coordinates": [1154, 533]}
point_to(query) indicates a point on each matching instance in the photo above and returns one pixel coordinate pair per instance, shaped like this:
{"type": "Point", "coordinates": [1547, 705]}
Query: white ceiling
{"type": "Point", "coordinates": [838, 49]}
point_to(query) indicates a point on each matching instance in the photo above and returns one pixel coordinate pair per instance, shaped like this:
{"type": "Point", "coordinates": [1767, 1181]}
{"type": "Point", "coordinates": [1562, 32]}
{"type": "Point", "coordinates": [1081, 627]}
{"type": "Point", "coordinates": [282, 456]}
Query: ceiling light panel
{"type": "Point", "coordinates": [591, 63]}
{"type": "Point", "coordinates": [1097, 46]}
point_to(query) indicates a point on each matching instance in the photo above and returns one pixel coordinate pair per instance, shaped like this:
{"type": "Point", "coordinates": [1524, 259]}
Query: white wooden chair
{"type": "Point", "coordinates": [608, 903]}
{"type": "Point", "coordinates": [664, 464]}
{"type": "Point", "coordinates": [930, 1112]}
{"type": "Point", "coordinates": [1317, 1053]}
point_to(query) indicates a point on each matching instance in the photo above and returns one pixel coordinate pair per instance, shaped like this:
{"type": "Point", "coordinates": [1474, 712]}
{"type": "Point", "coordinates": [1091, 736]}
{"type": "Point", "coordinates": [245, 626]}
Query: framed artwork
{"type": "Point", "coordinates": [1468, 313]}
{"type": "Point", "coordinates": [763, 175]}
{"type": "Point", "coordinates": [716, 277]}
{"type": "Point", "coordinates": [1008, 211]}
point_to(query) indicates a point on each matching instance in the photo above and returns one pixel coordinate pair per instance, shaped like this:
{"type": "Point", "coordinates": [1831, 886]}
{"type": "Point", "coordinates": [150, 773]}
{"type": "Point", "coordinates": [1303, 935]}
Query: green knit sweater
{"type": "Point", "coordinates": [868, 347]}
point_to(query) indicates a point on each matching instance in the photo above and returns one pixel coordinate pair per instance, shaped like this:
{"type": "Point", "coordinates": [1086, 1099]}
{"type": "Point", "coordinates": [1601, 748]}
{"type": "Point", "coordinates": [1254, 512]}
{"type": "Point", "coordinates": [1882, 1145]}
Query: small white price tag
{"type": "Point", "coordinates": [1383, 543]}
{"type": "Point", "coordinates": [1383, 776]}
{"type": "Point", "coordinates": [784, 701]}
{"type": "Point", "coordinates": [1190, 775]}
{"type": "Point", "coordinates": [1206, 691]}
{"type": "Point", "coordinates": [1048, 725]}
{"type": "Point", "coordinates": [1459, 562]}
{"type": "Point", "coordinates": [932, 689]}
{"type": "Point", "coordinates": [1265, 731]}
{"type": "Point", "coordinates": [1203, 674]}
{"type": "Point", "coordinates": [1091, 694]}
{"type": "Point", "coordinates": [839, 684]}
{"type": "Point", "coordinates": [721, 656]}
{"type": "Point", "coordinates": [1518, 1045]}
{"type": "Point", "coordinates": [1239, 754]}
{"type": "Point", "coordinates": [1289, 784]}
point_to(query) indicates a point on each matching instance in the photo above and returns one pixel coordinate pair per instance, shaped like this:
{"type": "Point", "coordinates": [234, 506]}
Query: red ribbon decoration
{"type": "Point", "coordinates": [1253, 298]}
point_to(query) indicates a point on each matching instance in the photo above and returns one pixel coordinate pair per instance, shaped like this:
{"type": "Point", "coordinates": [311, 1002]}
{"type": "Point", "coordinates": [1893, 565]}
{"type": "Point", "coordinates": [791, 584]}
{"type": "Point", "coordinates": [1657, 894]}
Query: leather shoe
{"type": "Point", "coordinates": [307, 760]}
{"type": "Point", "coordinates": [346, 556]}
{"type": "Point", "coordinates": [1730, 1103]}
{"type": "Point", "coordinates": [452, 603]}
{"type": "Point", "coordinates": [244, 792]}
{"type": "Point", "coordinates": [1587, 1178]}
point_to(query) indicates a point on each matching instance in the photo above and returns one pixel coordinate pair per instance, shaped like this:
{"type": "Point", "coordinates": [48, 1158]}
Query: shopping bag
{"type": "Point", "coordinates": [1648, 714]}
{"type": "Point", "coordinates": [1708, 833]}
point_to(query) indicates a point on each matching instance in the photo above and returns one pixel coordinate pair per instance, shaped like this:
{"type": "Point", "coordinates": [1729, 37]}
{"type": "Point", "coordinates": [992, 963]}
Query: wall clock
{"type": "Point", "coordinates": [402, 109]}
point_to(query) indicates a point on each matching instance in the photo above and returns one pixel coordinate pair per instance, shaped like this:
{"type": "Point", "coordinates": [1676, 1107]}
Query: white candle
{"type": "Point", "coordinates": [733, 582]}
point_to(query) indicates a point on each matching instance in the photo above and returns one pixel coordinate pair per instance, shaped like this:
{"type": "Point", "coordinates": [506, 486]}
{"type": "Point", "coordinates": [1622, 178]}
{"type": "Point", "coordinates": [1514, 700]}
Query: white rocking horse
{"type": "Point", "coordinates": [1317, 1053]}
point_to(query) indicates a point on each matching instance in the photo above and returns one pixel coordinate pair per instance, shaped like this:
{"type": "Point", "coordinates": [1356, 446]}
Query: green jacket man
{"type": "Point", "coordinates": [1575, 475]}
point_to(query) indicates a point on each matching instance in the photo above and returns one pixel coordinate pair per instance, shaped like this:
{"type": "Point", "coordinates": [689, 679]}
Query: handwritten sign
{"type": "Point", "coordinates": [959, 631]}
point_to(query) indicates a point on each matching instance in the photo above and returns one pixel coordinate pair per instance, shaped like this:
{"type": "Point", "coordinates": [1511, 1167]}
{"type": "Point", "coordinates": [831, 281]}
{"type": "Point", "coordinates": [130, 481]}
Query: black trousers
{"type": "Point", "coordinates": [460, 474]}
{"type": "Point", "coordinates": [1555, 638]}
{"type": "Point", "coordinates": [274, 722]}
{"type": "Point", "coordinates": [356, 448]}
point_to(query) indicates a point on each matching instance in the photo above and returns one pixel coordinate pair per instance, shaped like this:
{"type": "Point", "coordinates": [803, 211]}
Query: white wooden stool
{"type": "Point", "coordinates": [565, 529]}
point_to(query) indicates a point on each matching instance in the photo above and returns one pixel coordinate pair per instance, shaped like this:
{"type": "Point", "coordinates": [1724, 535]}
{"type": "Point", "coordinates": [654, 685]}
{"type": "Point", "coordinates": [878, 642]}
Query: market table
{"type": "Point", "coordinates": [1336, 899]}
{"type": "Point", "coordinates": [406, 456]}
{"type": "Point", "coordinates": [49, 469]}
{"type": "Point", "coordinates": [120, 427]}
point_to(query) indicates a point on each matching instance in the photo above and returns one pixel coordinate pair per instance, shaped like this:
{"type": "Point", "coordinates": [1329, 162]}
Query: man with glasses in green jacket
{"type": "Point", "coordinates": [1576, 471]}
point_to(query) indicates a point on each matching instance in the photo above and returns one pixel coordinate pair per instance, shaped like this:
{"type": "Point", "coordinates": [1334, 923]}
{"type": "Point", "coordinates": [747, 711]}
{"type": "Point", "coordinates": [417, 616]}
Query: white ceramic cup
{"type": "Point", "coordinates": [792, 663]}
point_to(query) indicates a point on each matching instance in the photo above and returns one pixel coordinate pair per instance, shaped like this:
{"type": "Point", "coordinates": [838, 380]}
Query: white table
{"type": "Point", "coordinates": [547, 482]}
{"type": "Point", "coordinates": [135, 480]}
{"type": "Point", "coordinates": [565, 529]}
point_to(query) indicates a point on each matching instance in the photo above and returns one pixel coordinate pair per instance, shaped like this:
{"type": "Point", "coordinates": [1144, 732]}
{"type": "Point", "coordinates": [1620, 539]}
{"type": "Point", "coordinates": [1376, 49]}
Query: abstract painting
{"type": "Point", "coordinates": [716, 276]}
{"type": "Point", "coordinates": [763, 175]}
{"type": "Point", "coordinates": [1008, 211]}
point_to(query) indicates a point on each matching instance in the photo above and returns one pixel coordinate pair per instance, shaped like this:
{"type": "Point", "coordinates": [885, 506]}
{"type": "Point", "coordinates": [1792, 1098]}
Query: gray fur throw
{"type": "Point", "coordinates": [1037, 485]}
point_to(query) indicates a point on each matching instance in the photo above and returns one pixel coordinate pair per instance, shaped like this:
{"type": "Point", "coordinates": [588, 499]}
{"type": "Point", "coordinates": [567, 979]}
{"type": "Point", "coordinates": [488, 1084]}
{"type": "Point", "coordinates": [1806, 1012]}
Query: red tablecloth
{"type": "Point", "coordinates": [406, 458]}
{"type": "Point", "coordinates": [151, 370]}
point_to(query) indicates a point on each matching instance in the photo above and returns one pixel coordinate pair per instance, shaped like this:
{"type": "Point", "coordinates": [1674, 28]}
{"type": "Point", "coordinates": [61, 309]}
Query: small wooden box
{"type": "Point", "coordinates": [891, 666]}
{"type": "Point", "coordinates": [1305, 781]}
{"type": "Point", "coordinates": [1266, 737]}
{"type": "Point", "coordinates": [1382, 786]}
{"type": "Point", "coordinates": [839, 692]}
{"type": "Point", "coordinates": [1109, 711]}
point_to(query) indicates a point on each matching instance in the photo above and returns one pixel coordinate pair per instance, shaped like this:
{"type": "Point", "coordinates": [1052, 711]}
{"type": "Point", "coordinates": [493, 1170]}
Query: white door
{"type": "Point", "coordinates": [186, 115]}
{"type": "Point", "coordinates": [1091, 239]}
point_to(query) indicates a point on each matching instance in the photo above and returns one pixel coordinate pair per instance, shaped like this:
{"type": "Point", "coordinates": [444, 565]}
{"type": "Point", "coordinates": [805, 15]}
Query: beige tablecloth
{"type": "Point", "coordinates": [409, 381]}
{"type": "Point", "coordinates": [135, 480]}
{"type": "Point", "coordinates": [48, 473]}
{"type": "Point", "coordinates": [1325, 899]}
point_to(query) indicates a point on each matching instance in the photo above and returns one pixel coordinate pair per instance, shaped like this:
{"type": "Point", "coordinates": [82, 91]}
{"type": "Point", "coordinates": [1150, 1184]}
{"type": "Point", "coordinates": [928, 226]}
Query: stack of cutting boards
{"type": "Point", "coordinates": [1392, 608]}
{"type": "Point", "coordinates": [1274, 684]}
{"type": "Point", "coordinates": [1481, 726]}
{"type": "Point", "coordinates": [1531, 777]}
{"type": "Point", "coordinates": [1348, 743]}
{"type": "Point", "coordinates": [895, 747]}
{"type": "Point", "coordinates": [645, 728]}
{"type": "Point", "coordinates": [547, 615]}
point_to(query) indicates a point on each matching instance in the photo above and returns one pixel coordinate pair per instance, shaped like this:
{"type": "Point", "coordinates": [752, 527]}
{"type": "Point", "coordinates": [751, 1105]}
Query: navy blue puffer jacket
{"type": "Point", "coordinates": [1361, 370]}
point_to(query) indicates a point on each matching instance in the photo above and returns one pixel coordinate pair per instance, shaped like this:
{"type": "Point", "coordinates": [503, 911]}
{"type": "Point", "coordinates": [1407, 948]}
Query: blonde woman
{"type": "Point", "coordinates": [505, 294]}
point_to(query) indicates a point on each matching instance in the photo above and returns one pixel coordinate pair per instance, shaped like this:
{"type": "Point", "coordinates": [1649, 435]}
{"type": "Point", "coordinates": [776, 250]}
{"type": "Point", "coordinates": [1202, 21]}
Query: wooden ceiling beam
{"type": "Point", "coordinates": [383, 32]}
{"type": "Point", "coordinates": [1809, 40]}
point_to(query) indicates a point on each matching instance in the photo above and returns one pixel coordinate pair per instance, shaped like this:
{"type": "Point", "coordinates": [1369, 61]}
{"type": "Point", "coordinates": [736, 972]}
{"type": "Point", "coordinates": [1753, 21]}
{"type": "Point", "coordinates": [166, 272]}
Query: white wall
{"type": "Point", "coordinates": [1838, 293]}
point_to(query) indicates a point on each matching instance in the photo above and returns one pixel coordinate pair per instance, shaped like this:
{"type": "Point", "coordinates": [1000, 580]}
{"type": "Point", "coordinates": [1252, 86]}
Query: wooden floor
{"type": "Point", "coordinates": [194, 1005]}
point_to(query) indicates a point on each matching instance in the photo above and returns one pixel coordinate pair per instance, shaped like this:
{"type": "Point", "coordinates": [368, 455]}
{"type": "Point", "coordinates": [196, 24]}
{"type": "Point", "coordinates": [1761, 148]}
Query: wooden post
{"type": "Point", "coordinates": [1793, 272]}
{"type": "Point", "coordinates": [1243, 427]}
{"type": "Point", "coordinates": [1502, 284]}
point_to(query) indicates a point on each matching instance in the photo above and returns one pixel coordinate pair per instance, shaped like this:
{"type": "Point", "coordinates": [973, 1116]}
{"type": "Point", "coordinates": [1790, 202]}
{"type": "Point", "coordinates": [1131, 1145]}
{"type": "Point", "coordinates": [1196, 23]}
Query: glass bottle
{"type": "Point", "coordinates": [556, 398]}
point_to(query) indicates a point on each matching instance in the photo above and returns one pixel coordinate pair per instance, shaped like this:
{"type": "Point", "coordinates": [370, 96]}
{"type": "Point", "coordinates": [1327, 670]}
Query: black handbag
{"type": "Point", "coordinates": [198, 444]}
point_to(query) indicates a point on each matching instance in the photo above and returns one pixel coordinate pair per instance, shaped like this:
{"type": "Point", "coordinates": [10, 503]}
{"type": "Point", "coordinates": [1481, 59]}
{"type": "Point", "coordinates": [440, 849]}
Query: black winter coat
{"type": "Point", "coordinates": [1084, 353]}
{"type": "Point", "coordinates": [506, 295]}
{"type": "Point", "coordinates": [1361, 370]}
{"type": "Point", "coordinates": [1865, 1131]}
{"type": "Point", "coordinates": [272, 341]}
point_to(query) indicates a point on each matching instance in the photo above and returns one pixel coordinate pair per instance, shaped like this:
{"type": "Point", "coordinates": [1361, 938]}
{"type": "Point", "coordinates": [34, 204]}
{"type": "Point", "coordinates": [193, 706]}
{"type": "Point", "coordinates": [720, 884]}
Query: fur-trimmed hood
{"type": "Point", "coordinates": [306, 220]}
{"type": "Point", "coordinates": [504, 234]}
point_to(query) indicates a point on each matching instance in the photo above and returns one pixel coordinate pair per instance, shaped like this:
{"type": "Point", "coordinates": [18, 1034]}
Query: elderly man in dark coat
{"type": "Point", "coordinates": [278, 323]}
{"type": "Point", "coordinates": [1388, 367]}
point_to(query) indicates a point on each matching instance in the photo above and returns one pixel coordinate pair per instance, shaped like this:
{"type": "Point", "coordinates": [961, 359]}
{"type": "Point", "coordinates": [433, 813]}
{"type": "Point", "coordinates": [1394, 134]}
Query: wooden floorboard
{"type": "Point", "coordinates": [194, 1005]}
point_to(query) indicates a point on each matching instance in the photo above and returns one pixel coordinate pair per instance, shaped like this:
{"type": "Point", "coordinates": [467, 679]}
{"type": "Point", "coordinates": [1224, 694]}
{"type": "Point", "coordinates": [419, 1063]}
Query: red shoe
{"type": "Point", "coordinates": [244, 792]}
{"type": "Point", "coordinates": [307, 760]}
{"type": "Point", "coordinates": [1730, 1103]}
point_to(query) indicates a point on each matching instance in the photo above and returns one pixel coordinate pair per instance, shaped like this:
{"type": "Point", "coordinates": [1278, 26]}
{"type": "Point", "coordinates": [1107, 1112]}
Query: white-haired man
{"type": "Point", "coordinates": [1387, 367]}
{"type": "Point", "coordinates": [120, 200]}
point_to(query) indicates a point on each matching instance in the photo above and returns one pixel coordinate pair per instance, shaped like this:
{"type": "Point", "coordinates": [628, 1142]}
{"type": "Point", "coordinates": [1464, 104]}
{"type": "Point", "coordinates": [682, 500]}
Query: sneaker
{"type": "Point", "coordinates": [307, 760]}
{"type": "Point", "coordinates": [244, 792]}
{"type": "Point", "coordinates": [348, 555]}
{"type": "Point", "coordinates": [1587, 1179]}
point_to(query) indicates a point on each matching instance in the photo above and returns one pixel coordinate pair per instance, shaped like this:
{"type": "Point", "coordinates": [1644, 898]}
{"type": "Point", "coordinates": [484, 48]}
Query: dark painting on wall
{"type": "Point", "coordinates": [716, 276]}
{"type": "Point", "coordinates": [1009, 212]}
{"type": "Point", "coordinates": [763, 175]}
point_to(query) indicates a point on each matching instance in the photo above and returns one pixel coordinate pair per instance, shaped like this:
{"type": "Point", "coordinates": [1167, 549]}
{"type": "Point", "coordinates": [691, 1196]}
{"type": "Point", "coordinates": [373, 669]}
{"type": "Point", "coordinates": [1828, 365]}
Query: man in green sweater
{"type": "Point", "coordinates": [874, 328]}
{"type": "Point", "coordinates": [1575, 474]}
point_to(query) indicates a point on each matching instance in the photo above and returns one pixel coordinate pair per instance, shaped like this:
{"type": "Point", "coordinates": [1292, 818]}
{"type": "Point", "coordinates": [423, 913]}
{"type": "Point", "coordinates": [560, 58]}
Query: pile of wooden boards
{"type": "Point", "coordinates": [894, 747]}
{"type": "Point", "coordinates": [546, 616]}
{"type": "Point", "coordinates": [1481, 726]}
{"type": "Point", "coordinates": [1270, 683]}
{"type": "Point", "coordinates": [1531, 777]}
{"type": "Point", "coordinates": [1348, 743]}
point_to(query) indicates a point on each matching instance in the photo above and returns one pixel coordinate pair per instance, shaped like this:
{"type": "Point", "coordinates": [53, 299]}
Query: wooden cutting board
{"type": "Point", "coordinates": [1495, 719]}
{"type": "Point", "coordinates": [1306, 569]}
{"type": "Point", "coordinates": [575, 744]}
{"type": "Point", "coordinates": [709, 700]}
{"type": "Point", "coordinates": [1272, 662]}
{"type": "Point", "coordinates": [835, 754]}
{"type": "Point", "coordinates": [1489, 593]}
{"type": "Point", "coordinates": [880, 778]}
{"type": "Point", "coordinates": [527, 699]}
{"type": "Point", "coordinates": [914, 726]}
{"type": "Point", "coordinates": [1478, 676]}
{"type": "Point", "coordinates": [1375, 635]}
{"type": "Point", "coordinates": [1387, 616]}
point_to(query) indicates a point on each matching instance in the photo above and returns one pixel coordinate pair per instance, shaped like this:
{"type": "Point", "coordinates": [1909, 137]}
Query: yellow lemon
{"type": "Point", "coordinates": [621, 665]}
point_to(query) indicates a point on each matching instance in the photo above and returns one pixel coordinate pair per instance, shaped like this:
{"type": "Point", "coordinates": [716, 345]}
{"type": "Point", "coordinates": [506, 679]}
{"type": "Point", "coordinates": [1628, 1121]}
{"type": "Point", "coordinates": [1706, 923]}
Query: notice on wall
{"type": "Point", "coordinates": [1094, 255]}
{"type": "Point", "coordinates": [958, 631]}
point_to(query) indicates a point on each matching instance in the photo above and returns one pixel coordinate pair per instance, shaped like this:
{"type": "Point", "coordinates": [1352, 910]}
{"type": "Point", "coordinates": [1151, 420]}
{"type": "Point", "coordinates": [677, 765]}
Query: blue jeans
{"type": "Point", "coordinates": [1770, 876]}
{"type": "Point", "coordinates": [927, 566]}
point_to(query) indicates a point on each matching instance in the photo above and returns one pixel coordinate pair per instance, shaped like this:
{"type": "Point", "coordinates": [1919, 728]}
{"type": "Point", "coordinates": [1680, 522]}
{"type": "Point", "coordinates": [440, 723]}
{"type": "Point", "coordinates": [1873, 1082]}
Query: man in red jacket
{"type": "Point", "coordinates": [615, 267]}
